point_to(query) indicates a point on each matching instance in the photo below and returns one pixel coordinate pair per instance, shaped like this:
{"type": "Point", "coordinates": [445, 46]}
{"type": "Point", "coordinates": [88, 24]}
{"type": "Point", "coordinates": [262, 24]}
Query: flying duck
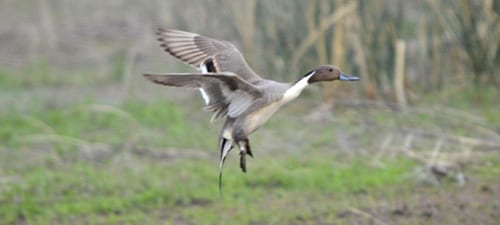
{"type": "Point", "coordinates": [231, 89]}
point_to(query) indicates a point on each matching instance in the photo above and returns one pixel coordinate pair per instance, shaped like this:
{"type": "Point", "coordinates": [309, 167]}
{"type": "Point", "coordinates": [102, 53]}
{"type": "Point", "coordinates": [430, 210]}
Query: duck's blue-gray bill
{"type": "Point", "coordinates": [347, 77]}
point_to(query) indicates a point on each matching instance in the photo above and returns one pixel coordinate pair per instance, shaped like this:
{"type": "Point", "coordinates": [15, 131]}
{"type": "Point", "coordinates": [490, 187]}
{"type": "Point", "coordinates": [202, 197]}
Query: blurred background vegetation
{"type": "Point", "coordinates": [443, 43]}
{"type": "Point", "coordinates": [84, 139]}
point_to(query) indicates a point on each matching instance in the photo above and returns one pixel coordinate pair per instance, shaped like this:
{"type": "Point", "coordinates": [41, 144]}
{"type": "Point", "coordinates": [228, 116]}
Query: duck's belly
{"type": "Point", "coordinates": [257, 118]}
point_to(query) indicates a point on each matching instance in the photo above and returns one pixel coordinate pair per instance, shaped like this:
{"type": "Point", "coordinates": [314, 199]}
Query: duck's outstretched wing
{"type": "Point", "coordinates": [206, 54]}
{"type": "Point", "coordinates": [227, 93]}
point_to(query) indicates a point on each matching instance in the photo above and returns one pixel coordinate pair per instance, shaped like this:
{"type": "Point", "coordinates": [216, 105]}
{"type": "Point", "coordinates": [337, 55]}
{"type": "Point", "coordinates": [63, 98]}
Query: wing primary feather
{"type": "Point", "coordinates": [193, 49]}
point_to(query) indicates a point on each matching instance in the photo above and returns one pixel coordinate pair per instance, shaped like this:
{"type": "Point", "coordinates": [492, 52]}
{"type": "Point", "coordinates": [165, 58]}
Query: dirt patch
{"type": "Point", "coordinates": [471, 204]}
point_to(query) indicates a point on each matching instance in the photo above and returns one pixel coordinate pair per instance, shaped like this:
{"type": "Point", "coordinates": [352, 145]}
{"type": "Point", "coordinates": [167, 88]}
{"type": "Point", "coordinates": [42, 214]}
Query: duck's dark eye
{"type": "Point", "coordinates": [331, 70]}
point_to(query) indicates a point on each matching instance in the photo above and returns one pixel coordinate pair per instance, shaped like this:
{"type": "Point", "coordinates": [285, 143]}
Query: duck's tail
{"type": "Point", "coordinates": [225, 146]}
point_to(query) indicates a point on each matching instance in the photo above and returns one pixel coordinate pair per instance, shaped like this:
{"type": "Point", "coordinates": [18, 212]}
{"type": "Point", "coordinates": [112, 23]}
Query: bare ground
{"type": "Point", "coordinates": [476, 203]}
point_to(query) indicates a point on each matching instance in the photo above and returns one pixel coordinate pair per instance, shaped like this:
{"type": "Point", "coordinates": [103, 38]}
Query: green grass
{"type": "Point", "coordinates": [85, 189]}
{"type": "Point", "coordinates": [54, 181]}
{"type": "Point", "coordinates": [42, 73]}
{"type": "Point", "coordinates": [35, 75]}
{"type": "Point", "coordinates": [102, 123]}
{"type": "Point", "coordinates": [481, 102]}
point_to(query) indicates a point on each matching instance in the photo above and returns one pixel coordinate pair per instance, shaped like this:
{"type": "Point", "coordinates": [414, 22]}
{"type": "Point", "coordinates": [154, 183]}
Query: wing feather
{"type": "Point", "coordinates": [197, 50]}
{"type": "Point", "coordinates": [228, 94]}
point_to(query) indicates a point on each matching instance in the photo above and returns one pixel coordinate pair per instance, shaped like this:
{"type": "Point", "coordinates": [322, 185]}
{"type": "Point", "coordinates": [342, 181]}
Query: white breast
{"type": "Point", "coordinates": [261, 116]}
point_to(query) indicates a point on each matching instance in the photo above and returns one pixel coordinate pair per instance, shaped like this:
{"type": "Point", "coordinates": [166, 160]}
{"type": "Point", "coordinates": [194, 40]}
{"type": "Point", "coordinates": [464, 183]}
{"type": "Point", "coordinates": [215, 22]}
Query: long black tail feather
{"type": "Point", "coordinates": [225, 146]}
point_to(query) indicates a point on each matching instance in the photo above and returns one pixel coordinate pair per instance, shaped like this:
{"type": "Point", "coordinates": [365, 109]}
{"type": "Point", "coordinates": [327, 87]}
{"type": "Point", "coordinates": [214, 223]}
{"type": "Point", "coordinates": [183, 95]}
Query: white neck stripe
{"type": "Point", "coordinates": [294, 91]}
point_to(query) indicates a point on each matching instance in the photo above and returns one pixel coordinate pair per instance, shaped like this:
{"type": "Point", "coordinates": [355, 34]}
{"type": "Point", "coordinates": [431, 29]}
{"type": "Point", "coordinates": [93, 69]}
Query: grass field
{"type": "Point", "coordinates": [71, 153]}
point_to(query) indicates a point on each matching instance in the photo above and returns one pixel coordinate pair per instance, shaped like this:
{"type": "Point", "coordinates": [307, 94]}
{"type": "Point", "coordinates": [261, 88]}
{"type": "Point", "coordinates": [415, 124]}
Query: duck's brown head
{"type": "Point", "coordinates": [329, 73]}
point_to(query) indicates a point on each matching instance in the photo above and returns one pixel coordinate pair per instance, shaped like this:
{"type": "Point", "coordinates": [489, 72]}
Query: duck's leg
{"type": "Point", "coordinates": [247, 147]}
{"type": "Point", "coordinates": [243, 153]}
{"type": "Point", "coordinates": [240, 138]}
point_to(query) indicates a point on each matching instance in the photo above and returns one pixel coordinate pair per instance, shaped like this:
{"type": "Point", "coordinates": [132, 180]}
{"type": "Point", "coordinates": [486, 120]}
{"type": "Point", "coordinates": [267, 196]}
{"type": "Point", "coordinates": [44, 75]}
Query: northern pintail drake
{"type": "Point", "coordinates": [231, 88]}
